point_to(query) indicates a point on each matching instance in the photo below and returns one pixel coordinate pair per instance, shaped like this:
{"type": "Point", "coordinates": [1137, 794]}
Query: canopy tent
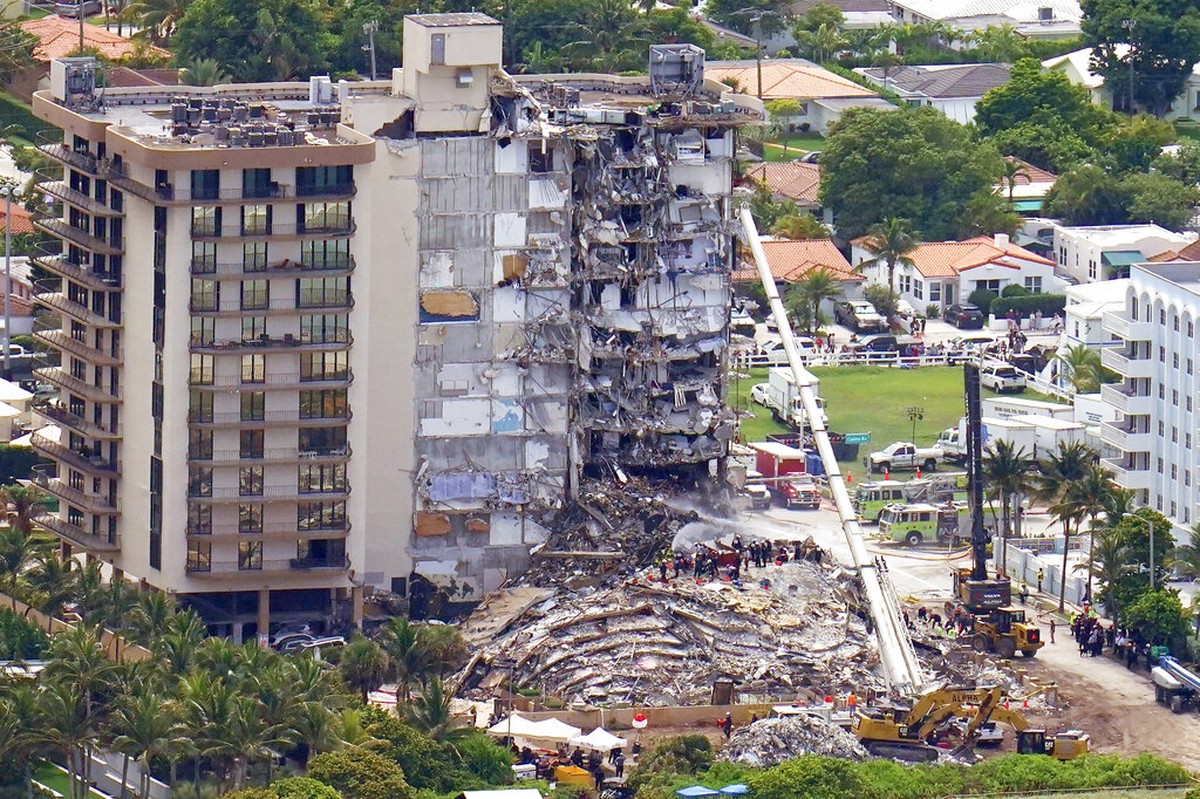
{"type": "Point", "coordinates": [696, 792]}
{"type": "Point", "coordinates": [548, 731]}
{"type": "Point", "coordinates": [737, 789]}
{"type": "Point", "coordinates": [555, 730]}
{"type": "Point", "coordinates": [599, 740]}
{"type": "Point", "coordinates": [516, 726]}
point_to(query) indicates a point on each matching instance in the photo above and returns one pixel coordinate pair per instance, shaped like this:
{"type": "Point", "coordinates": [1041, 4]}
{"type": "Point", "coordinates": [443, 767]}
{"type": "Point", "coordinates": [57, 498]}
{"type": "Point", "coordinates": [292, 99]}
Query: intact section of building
{"type": "Point", "coordinates": [1154, 402]}
{"type": "Point", "coordinates": [953, 89]}
{"type": "Point", "coordinates": [318, 340]}
{"type": "Point", "coordinates": [1101, 252]}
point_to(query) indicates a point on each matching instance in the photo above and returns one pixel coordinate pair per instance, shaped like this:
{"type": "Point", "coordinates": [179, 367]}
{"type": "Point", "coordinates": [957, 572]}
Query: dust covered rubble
{"type": "Point", "coordinates": [768, 742]}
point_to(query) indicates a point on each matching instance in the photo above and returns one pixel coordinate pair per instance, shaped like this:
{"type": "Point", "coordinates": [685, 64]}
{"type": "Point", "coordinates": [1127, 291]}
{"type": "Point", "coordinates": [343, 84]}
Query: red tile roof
{"type": "Point", "coordinates": [22, 221]}
{"type": "Point", "coordinates": [792, 179]}
{"type": "Point", "coordinates": [1035, 174]}
{"type": "Point", "coordinates": [58, 37]}
{"type": "Point", "coordinates": [1188, 253]}
{"type": "Point", "coordinates": [791, 260]}
{"type": "Point", "coordinates": [949, 258]}
{"type": "Point", "coordinates": [796, 79]}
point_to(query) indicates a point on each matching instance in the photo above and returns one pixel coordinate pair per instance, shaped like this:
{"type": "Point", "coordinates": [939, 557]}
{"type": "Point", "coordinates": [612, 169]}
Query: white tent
{"type": "Point", "coordinates": [516, 726]}
{"type": "Point", "coordinates": [599, 740]}
{"type": "Point", "coordinates": [554, 730]}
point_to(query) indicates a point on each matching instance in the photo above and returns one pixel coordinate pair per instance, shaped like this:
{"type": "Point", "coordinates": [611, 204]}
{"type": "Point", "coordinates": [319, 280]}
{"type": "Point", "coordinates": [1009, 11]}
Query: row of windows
{"type": "Point", "coordinates": [257, 183]}
{"type": "Point", "coordinates": [323, 404]}
{"type": "Point", "coordinates": [314, 366]}
{"type": "Point", "coordinates": [310, 516]}
{"type": "Point", "coordinates": [250, 554]}
{"type": "Point", "coordinates": [314, 329]}
{"type": "Point", "coordinates": [255, 295]}
{"type": "Point", "coordinates": [211, 220]}
{"type": "Point", "coordinates": [310, 479]}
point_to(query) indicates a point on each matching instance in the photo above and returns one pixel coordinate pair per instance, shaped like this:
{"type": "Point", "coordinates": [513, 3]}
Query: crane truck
{"type": "Point", "coordinates": [1175, 686]}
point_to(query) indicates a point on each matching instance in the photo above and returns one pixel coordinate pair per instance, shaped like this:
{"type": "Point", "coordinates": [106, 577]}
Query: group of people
{"type": "Point", "coordinates": [592, 762]}
{"type": "Point", "coordinates": [958, 621]}
{"type": "Point", "coordinates": [734, 561]}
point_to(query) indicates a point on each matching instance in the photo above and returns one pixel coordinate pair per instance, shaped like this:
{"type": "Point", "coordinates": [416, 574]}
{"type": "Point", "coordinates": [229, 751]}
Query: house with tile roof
{"type": "Point", "coordinates": [1077, 66]}
{"type": "Point", "coordinates": [59, 37]}
{"type": "Point", "coordinates": [1087, 253]}
{"type": "Point", "coordinates": [790, 180]}
{"type": "Point", "coordinates": [1032, 19]}
{"type": "Point", "coordinates": [22, 220]}
{"type": "Point", "coordinates": [790, 260]}
{"type": "Point", "coordinates": [943, 273]}
{"type": "Point", "coordinates": [822, 95]}
{"type": "Point", "coordinates": [953, 89]}
{"type": "Point", "coordinates": [1029, 187]}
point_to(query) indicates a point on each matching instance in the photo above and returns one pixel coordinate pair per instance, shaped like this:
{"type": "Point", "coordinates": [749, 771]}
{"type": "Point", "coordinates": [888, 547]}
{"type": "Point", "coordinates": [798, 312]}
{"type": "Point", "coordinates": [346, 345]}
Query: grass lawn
{"type": "Point", "coordinates": [56, 779]}
{"type": "Point", "coordinates": [871, 399]}
{"type": "Point", "coordinates": [1188, 134]}
{"type": "Point", "coordinates": [797, 145]}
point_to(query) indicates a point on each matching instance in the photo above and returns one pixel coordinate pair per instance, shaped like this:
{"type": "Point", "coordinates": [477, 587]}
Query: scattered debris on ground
{"type": "Point", "coordinates": [768, 742]}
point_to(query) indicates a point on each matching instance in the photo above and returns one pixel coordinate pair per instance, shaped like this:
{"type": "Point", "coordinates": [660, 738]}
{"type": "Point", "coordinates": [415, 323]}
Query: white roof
{"type": "Point", "coordinates": [515, 724]}
{"type": "Point", "coordinates": [1109, 236]}
{"type": "Point", "coordinates": [600, 740]}
{"type": "Point", "coordinates": [7, 411]}
{"type": "Point", "coordinates": [777, 449]}
{"type": "Point", "coordinates": [510, 793]}
{"type": "Point", "coordinates": [1100, 291]}
{"type": "Point", "coordinates": [1047, 422]}
{"type": "Point", "coordinates": [1015, 10]}
{"type": "Point", "coordinates": [11, 392]}
{"type": "Point", "coordinates": [555, 730]}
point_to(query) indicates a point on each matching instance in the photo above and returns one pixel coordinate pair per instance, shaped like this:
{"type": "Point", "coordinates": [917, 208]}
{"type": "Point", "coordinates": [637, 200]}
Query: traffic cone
{"type": "Point", "coordinates": [849, 478]}
{"type": "Point", "coordinates": [887, 475]}
{"type": "Point", "coordinates": [1025, 703]}
{"type": "Point", "coordinates": [918, 472]}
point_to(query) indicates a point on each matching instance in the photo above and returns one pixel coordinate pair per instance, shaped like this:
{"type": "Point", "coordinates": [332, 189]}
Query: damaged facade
{"type": "Point", "coordinates": [541, 284]}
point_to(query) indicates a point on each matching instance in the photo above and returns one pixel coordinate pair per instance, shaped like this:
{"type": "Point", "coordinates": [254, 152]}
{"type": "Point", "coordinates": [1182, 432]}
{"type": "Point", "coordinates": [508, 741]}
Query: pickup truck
{"type": "Point", "coordinates": [860, 316]}
{"type": "Point", "coordinates": [799, 492]}
{"type": "Point", "coordinates": [904, 455]}
{"type": "Point", "coordinates": [1002, 378]}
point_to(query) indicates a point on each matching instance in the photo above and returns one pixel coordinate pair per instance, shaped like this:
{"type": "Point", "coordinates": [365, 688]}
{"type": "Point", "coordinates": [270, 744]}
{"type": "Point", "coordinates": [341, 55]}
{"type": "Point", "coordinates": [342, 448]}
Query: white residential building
{"type": "Point", "coordinates": [1156, 400]}
{"type": "Point", "coordinates": [319, 340]}
{"type": "Point", "coordinates": [1032, 19]}
{"type": "Point", "coordinates": [1077, 66]}
{"type": "Point", "coordinates": [1101, 252]}
{"type": "Point", "coordinates": [953, 89]}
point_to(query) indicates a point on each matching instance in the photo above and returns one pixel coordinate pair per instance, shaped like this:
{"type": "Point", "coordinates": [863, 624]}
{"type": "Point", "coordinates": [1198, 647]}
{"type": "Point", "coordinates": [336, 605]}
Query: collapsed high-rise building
{"type": "Point", "coordinates": [455, 291]}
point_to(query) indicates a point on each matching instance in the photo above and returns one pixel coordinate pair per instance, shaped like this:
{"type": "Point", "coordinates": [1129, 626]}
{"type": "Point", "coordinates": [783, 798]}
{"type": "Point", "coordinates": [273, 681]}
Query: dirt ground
{"type": "Point", "coordinates": [1113, 705]}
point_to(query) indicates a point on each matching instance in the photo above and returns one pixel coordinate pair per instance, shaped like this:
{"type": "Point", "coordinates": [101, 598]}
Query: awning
{"type": "Point", "coordinates": [1122, 258]}
{"type": "Point", "coordinates": [515, 725]}
{"type": "Point", "coordinates": [737, 789]}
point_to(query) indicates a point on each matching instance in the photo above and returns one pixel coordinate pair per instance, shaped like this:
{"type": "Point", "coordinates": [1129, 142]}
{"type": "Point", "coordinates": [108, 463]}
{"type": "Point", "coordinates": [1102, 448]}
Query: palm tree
{"type": "Point", "coordinates": [157, 18]}
{"type": "Point", "coordinates": [226, 725]}
{"type": "Point", "coordinates": [1081, 364]}
{"type": "Point", "coordinates": [152, 615]}
{"type": "Point", "coordinates": [1091, 495]}
{"type": "Point", "coordinates": [799, 226]}
{"type": "Point", "coordinates": [22, 504]}
{"type": "Point", "coordinates": [606, 37]}
{"type": "Point", "coordinates": [1006, 475]}
{"type": "Point", "coordinates": [55, 581]}
{"type": "Point", "coordinates": [430, 713]}
{"type": "Point", "coordinates": [145, 724]}
{"type": "Point", "coordinates": [806, 295]}
{"type": "Point", "coordinates": [822, 43]}
{"type": "Point", "coordinates": [404, 644]}
{"type": "Point", "coordinates": [890, 241]}
{"type": "Point", "coordinates": [998, 43]}
{"type": "Point", "coordinates": [64, 726]}
{"type": "Point", "coordinates": [179, 645]}
{"type": "Point", "coordinates": [17, 552]}
{"type": "Point", "coordinates": [364, 666]}
{"type": "Point", "coordinates": [1013, 169]}
{"type": "Point", "coordinates": [1108, 562]}
{"type": "Point", "coordinates": [1058, 486]}
{"type": "Point", "coordinates": [203, 72]}
{"type": "Point", "coordinates": [1187, 556]}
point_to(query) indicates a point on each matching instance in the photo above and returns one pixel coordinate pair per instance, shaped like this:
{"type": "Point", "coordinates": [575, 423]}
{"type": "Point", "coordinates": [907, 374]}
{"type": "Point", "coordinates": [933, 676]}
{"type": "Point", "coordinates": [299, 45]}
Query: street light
{"type": "Point", "coordinates": [915, 413]}
{"type": "Point", "coordinates": [756, 15]}
{"type": "Point", "coordinates": [1150, 525]}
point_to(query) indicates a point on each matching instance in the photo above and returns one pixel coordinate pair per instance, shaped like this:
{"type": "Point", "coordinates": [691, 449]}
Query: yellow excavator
{"type": "Point", "coordinates": [904, 733]}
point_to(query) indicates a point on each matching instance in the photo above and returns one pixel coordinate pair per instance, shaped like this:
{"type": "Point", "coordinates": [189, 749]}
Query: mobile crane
{"type": "Point", "coordinates": [999, 627]}
{"type": "Point", "coordinates": [904, 733]}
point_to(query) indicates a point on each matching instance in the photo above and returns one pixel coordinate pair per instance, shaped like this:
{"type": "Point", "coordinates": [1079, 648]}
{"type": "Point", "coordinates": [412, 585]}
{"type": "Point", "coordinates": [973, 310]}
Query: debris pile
{"type": "Point", "coordinates": [640, 641]}
{"type": "Point", "coordinates": [771, 741]}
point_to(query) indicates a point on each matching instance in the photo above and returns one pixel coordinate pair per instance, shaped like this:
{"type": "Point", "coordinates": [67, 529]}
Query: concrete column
{"type": "Point", "coordinates": [264, 614]}
{"type": "Point", "coordinates": [356, 606]}
{"type": "Point", "coordinates": [237, 636]}
{"type": "Point", "coordinates": [118, 575]}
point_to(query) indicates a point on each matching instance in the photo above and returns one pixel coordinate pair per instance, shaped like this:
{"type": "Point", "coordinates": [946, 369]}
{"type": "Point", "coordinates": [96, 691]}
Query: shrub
{"type": "Point", "coordinates": [360, 774]}
{"type": "Point", "coordinates": [883, 298]}
{"type": "Point", "coordinates": [302, 788]}
{"type": "Point", "coordinates": [982, 299]}
{"type": "Point", "coordinates": [808, 777]}
{"type": "Point", "coordinates": [1048, 304]}
{"type": "Point", "coordinates": [685, 754]}
{"type": "Point", "coordinates": [933, 310]}
{"type": "Point", "coordinates": [20, 639]}
{"type": "Point", "coordinates": [1014, 290]}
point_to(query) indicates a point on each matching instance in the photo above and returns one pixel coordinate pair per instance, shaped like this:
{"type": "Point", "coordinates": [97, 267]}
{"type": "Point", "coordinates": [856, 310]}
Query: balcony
{"type": "Point", "coordinates": [270, 380]}
{"type": "Point", "coordinates": [83, 161]}
{"type": "Point", "coordinates": [63, 230]}
{"type": "Point", "coordinates": [332, 267]}
{"type": "Point", "coordinates": [269, 419]}
{"type": "Point", "coordinates": [1128, 477]}
{"type": "Point", "coordinates": [1127, 329]}
{"type": "Point", "coordinates": [232, 569]}
{"type": "Point", "coordinates": [264, 342]}
{"type": "Point", "coordinates": [84, 461]}
{"type": "Point", "coordinates": [60, 415]}
{"type": "Point", "coordinates": [273, 192]}
{"type": "Point", "coordinates": [89, 503]}
{"type": "Point", "coordinates": [228, 457]}
{"type": "Point", "coordinates": [275, 531]}
{"type": "Point", "coordinates": [237, 306]}
{"type": "Point", "coordinates": [338, 562]}
{"type": "Point", "coordinates": [274, 493]}
{"type": "Point", "coordinates": [65, 343]}
{"type": "Point", "coordinates": [1125, 440]}
{"type": "Point", "coordinates": [333, 229]}
{"type": "Point", "coordinates": [74, 534]}
{"type": "Point", "coordinates": [1122, 364]}
{"type": "Point", "coordinates": [65, 380]}
{"type": "Point", "coordinates": [61, 190]}
{"type": "Point", "coordinates": [80, 313]}
{"type": "Point", "coordinates": [77, 273]}
{"type": "Point", "coordinates": [1126, 403]}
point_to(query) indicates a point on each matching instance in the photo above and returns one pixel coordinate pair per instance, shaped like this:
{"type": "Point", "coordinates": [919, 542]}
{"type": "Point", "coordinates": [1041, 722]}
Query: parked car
{"type": "Point", "coordinates": [1002, 378]}
{"type": "Point", "coordinates": [758, 393]}
{"type": "Point", "coordinates": [965, 316]}
{"type": "Point", "coordinates": [859, 315]}
{"type": "Point", "coordinates": [85, 8]}
{"type": "Point", "coordinates": [880, 342]}
{"type": "Point", "coordinates": [962, 348]}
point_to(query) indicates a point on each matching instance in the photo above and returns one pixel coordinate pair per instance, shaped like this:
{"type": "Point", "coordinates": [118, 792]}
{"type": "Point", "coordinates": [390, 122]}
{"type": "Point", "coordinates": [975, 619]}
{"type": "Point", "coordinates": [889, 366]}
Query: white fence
{"type": "Point", "coordinates": [1024, 563]}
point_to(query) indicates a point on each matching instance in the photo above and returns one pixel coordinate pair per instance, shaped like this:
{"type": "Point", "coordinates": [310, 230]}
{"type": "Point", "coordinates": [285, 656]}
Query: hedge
{"type": "Point", "coordinates": [1048, 304]}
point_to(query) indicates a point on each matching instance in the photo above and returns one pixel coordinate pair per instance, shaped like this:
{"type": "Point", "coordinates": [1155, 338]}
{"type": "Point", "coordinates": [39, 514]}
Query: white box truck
{"type": "Point", "coordinates": [783, 398]}
{"type": "Point", "coordinates": [1022, 435]}
{"type": "Point", "coordinates": [1051, 432]}
{"type": "Point", "coordinates": [1008, 407]}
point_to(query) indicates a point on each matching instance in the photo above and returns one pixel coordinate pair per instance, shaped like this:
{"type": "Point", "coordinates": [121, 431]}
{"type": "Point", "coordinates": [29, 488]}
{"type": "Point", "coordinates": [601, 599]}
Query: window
{"type": "Point", "coordinates": [312, 181]}
{"type": "Point", "coordinates": [1174, 434]}
{"type": "Point", "coordinates": [935, 292]}
{"type": "Point", "coordinates": [324, 366]}
{"type": "Point", "coordinates": [256, 295]}
{"type": "Point", "coordinates": [204, 257]}
{"type": "Point", "coordinates": [203, 330]}
{"type": "Point", "coordinates": [1092, 270]}
{"type": "Point", "coordinates": [1160, 465]}
{"type": "Point", "coordinates": [250, 519]}
{"type": "Point", "coordinates": [254, 256]}
{"type": "Point", "coordinates": [200, 481]}
{"type": "Point", "coordinates": [322, 292]}
{"type": "Point", "coordinates": [325, 254]}
{"type": "Point", "coordinates": [250, 481]}
{"type": "Point", "coordinates": [1175, 360]}
{"type": "Point", "coordinates": [988, 285]}
{"type": "Point", "coordinates": [253, 406]}
{"type": "Point", "coordinates": [325, 329]}
{"type": "Point", "coordinates": [323, 217]}
{"type": "Point", "coordinates": [1162, 354]}
{"type": "Point", "coordinates": [206, 220]}
{"type": "Point", "coordinates": [541, 157]}
{"type": "Point", "coordinates": [200, 406]}
{"type": "Point", "coordinates": [1033, 284]}
{"type": "Point", "coordinates": [200, 444]}
{"type": "Point", "coordinates": [1175, 323]}
{"type": "Point", "coordinates": [318, 479]}
{"type": "Point", "coordinates": [256, 183]}
{"type": "Point", "coordinates": [253, 327]}
{"type": "Point", "coordinates": [256, 219]}
{"type": "Point", "coordinates": [321, 516]}
{"type": "Point", "coordinates": [918, 289]}
{"type": "Point", "coordinates": [254, 368]}
{"type": "Point", "coordinates": [905, 284]}
{"type": "Point", "coordinates": [206, 184]}
{"type": "Point", "coordinates": [250, 444]}
{"type": "Point", "coordinates": [205, 295]}
{"type": "Point", "coordinates": [199, 521]}
{"type": "Point", "coordinates": [322, 439]}
{"type": "Point", "coordinates": [1162, 317]}
{"type": "Point", "coordinates": [250, 555]}
{"type": "Point", "coordinates": [1187, 440]}
{"type": "Point", "coordinates": [1175, 397]}
{"type": "Point", "coordinates": [1191, 329]}
{"type": "Point", "coordinates": [328, 404]}
{"type": "Point", "coordinates": [201, 373]}
{"type": "Point", "coordinates": [322, 551]}
{"type": "Point", "coordinates": [199, 556]}
{"type": "Point", "coordinates": [1189, 366]}
{"type": "Point", "coordinates": [1174, 474]}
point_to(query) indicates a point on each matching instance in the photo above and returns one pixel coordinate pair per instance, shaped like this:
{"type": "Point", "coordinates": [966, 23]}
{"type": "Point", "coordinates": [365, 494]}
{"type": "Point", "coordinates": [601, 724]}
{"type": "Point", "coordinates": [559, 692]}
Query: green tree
{"type": "Point", "coordinates": [1144, 49]}
{"type": "Point", "coordinates": [822, 43]}
{"type": "Point", "coordinates": [1081, 366]}
{"type": "Point", "coordinates": [1159, 615]}
{"type": "Point", "coordinates": [738, 14]}
{"type": "Point", "coordinates": [144, 725]}
{"type": "Point", "coordinates": [364, 666]}
{"type": "Point", "coordinates": [890, 242]}
{"type": "Point", "coordinates": [914, 164]}
{"type": "Point", "coordinates": [22, 504]}
{"type": "Point", "coordinates": [17, 553]}
{"type": "Point", "coordinates": [998, 44]}
{"type": "Point", "coordinates": [203, 72]}
{"type": "Point", "coordinates": [426, 762]}
{"type": "Point", "coordinates": [610, 37]}
{"type": "Point", "coordinates": [259, 40]}
{"type": "Point", "coordinates": [806, 295]}
{"type": "Point", "coordinates": [683, 754]}
{"type": "Point", "coordinates": [1137, 141]}
{"type": "Point", "coordinates": [1006, 476]}
{"type": "Point", "coordinates": [821, 14]}
{"type": "Point", "coordinates": [807, 777]}
{"type": "Point", "coordinates": [799, 226]}
{"type": "Point", "coordinates": [1058, 486]}
{"type": "Point", "coordinates": [884, 299]}
{"type": "Point", "coordinates": [1086, 196]}
{"type": "Point", "coordinates": [1157, 198]}
{"type": "Point", "coordinates": [361, 774]}
{"type": "Point", "coordinates": [1183, 165]}
{"type": "Point", "coordinates": [158, 19]}
{"type": "Point", "coordinates": [485, 759]}
{"type": "Point", "coordinates": [1013, 169]}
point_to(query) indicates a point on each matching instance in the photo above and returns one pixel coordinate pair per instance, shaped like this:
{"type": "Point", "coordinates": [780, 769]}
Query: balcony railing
{"type": "Point", "coordinates": [75, 534]}
{"type": "Point", "coordinates": [202, 267]}
{"type": "Point", "coordinates": [274, 455]}
{"type": "Point", "coordinates": [287, 341]}
{"type": "Point", "coordinates": [327, 300]}
{"type": "Point", "coordinates": [64, 230]}
{"type": "Point", "coordinates": [273, 531]}
{"type": "Point", "coordinates": [81, 313]}
{"type": "Point", "coordinates": [61, 341]}
{"type": "Point", "coordinates": [270, 380]}
{"type": "Point", "coordinates": [62, 416]}
{"type": "Point", "coordinates": [92, 503]}
{"type": "Point", "coordinates": [268, 418]}
{"type": "Point", "coordinates": [333, 228]}
{"type": "Point", "coordinates": [293, 565]}
{"type": "Point", "coordinates": [266, 493]}
{"type": "Point", "coordinates": [83, 161]}
{"type": "Point", "coordinates": [79, 273]}
{"type": "Point", "coordinates": [1124, 328]}
{"type": "Point", "coordinates": [56, 187]}
{"type": "Point", "coordinates": [271, 192]}
{"type": "Point", "coordinates": [66, 380]}
{"type": "Point", "coordinates": [84, 461]}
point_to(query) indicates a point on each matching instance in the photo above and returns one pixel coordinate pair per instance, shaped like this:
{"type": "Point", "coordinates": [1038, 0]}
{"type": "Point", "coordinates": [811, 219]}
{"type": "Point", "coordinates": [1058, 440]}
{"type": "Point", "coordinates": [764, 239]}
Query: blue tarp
{"type": "Point", "coordinates": [737, 789]}
{"type": "Point", "coordinates": [696, 791]}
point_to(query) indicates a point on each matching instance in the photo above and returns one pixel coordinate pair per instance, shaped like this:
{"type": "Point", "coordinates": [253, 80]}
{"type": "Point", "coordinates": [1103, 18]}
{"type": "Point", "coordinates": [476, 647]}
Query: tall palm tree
{"type": "Point", "coordinates": [1081, 364]}
{"type": "Point", "coordinates": [145, 724]}
{"type": "Point", "coordinates": [822, 43]}
{"type": "Point", "coordinates": [22, 504]}
{"type": "Point", "coordinates": [1091, 494]}
{"type": "Point", "coordinates": [157, 18]}
{"type": "Point", "coordinates": [55, 580]}
{"type": "Point", "coordinates": [203, 72]}
{"type": "Point", "coordinates": [1058, 487]}
{"type": "Point", "coordinates": [1108, 563]}
{"type": "Point", "coordinates": [806, 295]}
{"type": "Point", "coordinates": [404, 644]}
{"type": "Point", "coordinates": [446, 647]}
{"type": "Point", "coordinates": [226, 726]}
{"type": "Point", "coordinates": [17, 553]}
{"type": "Point", "coordinates": [890, 242]}
{"type": "Point", "coordinates": [1006, 476]}
{"type": "Point", "coordinates": [429, 712]}
{"type": "Point", "coordinates": [64, 726]}
{"type": "Point", "coordinates": [364, 666]}
{"type": "Point", "coordinates": [179, 644]}
{"type": "Point", "coordinates": [1187, 556]}
{"type": "Point", "coordinates": [609, 33]}
{"type": "Point", "coordinates": [152, 615]}
{"type": "Point", "coordinates": [1013, 169]}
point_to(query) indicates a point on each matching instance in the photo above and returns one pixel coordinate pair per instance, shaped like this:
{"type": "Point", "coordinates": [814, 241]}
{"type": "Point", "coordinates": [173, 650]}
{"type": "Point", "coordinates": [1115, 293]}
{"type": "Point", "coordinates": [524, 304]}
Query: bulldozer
{"type": "Point", "coordinates": [904, 733]}
{"type": "Point", "coordinates": [999, 627]}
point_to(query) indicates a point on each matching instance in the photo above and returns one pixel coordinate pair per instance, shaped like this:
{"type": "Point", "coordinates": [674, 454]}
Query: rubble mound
{"type": "Point", "coordinates": [771, 741]}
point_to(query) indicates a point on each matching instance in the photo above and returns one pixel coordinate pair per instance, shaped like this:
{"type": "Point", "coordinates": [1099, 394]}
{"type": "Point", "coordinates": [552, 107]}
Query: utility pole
{"type": "Point", "coordinates": [80, 8]}
{"type": "Point", "coordinates": [369, 28]}
{"type": "Point", "coordinates": [757, 20]}
{"type": "Point", "coordinates": [7, 282]}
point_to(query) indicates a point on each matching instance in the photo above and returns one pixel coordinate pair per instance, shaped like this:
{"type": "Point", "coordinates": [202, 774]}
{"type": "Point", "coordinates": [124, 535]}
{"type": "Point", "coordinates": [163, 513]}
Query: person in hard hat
{"type": "Point", "coordinates": [1041, 575]}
